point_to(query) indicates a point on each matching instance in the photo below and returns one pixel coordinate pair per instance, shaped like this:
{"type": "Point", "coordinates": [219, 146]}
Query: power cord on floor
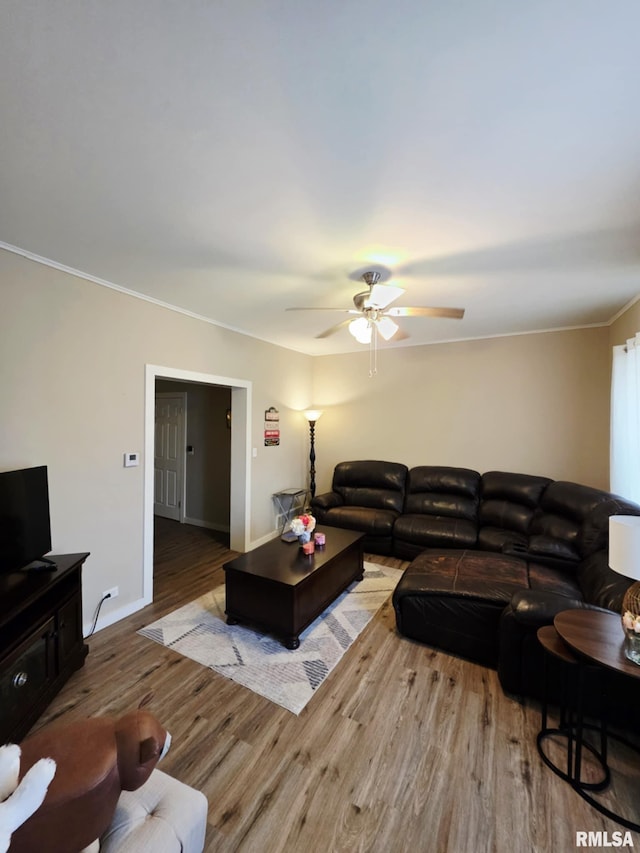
{"type": "Point", "coordinates": [95, 621]}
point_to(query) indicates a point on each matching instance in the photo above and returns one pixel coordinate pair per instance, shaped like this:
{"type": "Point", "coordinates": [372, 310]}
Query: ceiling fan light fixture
{"type": "Point", "coordinates": [361, 330]}
{"type": "Point", "coordinates": [387, 327]}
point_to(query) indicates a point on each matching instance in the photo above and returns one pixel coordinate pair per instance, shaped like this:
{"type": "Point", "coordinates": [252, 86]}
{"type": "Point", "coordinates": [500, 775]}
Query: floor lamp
{"type": "Point", "coordinates": [312, 415]}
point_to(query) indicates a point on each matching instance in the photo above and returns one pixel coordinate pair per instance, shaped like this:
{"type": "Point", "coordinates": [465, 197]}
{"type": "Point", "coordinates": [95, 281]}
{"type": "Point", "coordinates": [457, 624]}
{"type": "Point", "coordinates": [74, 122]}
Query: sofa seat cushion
{"type": "Point", "coordinates": [497, 538]}
{"type": "Point", "coordinates": [553, 548]}
{"type": "Point", "coordinates": [430, 531]}
{"type": "Point", "coordinates": [453, 599]}
{"type": "Point", "coordinates": [373, 522]}
{"type": "Point", "coordinates": [551, 580]}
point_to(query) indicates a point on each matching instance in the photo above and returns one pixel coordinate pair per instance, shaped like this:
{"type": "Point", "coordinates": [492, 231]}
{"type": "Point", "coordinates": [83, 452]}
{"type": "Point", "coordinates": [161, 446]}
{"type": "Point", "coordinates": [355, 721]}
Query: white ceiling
{"type": "Point", "coordinates": [235, 157]}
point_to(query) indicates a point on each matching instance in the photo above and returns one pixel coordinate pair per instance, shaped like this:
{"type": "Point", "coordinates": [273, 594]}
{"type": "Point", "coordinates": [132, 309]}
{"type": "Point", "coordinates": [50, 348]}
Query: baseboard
{"type": "Point", "coordinates": [118, 613]}
{"type": "Point", "coordinates": [210, 525]}
{"type": "Point", "coordinates": [264, 539]}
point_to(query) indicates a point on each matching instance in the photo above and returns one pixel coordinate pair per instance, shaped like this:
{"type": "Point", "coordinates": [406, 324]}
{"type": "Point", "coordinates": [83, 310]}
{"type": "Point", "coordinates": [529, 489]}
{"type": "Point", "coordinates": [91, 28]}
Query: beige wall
{"type": "Point", "coordinates": [73, 356]}
{"type": "Point", "coordinates": [535, 404]}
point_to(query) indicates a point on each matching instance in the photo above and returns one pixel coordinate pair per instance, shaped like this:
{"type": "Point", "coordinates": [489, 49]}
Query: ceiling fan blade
{"type": "Point", "coordinates": [333, 329]}
{"type": "Point", "coordinates": [382, 295]}
{"type": "Point", "coordinates": [453, 313]}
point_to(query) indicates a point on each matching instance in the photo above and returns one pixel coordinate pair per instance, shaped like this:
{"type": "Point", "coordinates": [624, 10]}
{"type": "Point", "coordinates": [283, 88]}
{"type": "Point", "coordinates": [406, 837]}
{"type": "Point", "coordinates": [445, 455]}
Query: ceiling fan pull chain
{"type": "Point", "coordinates": [373, 351]}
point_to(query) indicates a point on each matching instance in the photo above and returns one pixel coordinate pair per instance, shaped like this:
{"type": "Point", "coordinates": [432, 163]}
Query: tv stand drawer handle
{"type": "Point", "coordinates": [20, 679]}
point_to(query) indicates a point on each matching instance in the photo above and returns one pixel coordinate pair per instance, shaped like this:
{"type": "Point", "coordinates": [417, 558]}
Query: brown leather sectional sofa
{"type": "Point", "coordinates": [494, 555]}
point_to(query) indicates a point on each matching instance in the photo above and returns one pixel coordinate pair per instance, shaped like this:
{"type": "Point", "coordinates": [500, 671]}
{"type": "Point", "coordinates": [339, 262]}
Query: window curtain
{"type": "Point", "coordinates": [625, 420]}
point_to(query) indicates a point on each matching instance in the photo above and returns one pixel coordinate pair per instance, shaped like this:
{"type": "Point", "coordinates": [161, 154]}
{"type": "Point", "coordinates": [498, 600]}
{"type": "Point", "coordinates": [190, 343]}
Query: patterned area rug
{"type": "Point", "coordinates": [289, 678]}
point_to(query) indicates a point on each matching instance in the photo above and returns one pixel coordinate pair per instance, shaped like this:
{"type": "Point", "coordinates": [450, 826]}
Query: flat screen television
{"type": "Point", "coordinates": [25, 526]}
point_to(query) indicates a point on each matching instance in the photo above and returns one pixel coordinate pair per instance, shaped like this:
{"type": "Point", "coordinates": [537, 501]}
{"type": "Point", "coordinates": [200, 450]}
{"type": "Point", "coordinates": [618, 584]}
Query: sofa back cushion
{"type": "Point", "coordinates": [442, 491]}
{"type": "Point", "coordinates": [599, 584]}
{"type": "Point", "coordinates": [573, 517]}
{"type": "Point", "coordinates": [371, 483]}
{"type": "Point", "coordinates": [508, 505]}
{"type": "Point", "coordinates": [594, 532]}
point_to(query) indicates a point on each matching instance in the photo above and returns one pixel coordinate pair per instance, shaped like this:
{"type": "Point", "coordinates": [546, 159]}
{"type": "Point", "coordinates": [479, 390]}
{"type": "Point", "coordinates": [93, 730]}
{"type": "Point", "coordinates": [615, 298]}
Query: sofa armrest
{"type": "Point", "coordinates": [535, 608]}
{"type": "Point", "coordinates": [520, 657]}
{"type": "Point", "coordinates": [327, 501]}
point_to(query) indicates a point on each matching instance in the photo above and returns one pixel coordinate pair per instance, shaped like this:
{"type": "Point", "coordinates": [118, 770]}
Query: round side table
{"type": "Point", "coordinates": [595, 637]}
{"type": "Point", "coordinates": [567, 727]}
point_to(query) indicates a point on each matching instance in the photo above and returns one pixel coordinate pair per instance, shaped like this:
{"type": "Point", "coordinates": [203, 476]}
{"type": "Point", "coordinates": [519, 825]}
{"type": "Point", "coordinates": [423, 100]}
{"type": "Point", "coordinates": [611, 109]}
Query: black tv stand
{"type": "Point", "coordinates": [41, 643]}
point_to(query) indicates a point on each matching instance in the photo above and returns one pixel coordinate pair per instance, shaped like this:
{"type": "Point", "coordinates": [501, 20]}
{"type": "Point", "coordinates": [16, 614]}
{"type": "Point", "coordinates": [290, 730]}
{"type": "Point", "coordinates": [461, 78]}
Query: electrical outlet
{"type": "Point", "coordinates": [114, 592]}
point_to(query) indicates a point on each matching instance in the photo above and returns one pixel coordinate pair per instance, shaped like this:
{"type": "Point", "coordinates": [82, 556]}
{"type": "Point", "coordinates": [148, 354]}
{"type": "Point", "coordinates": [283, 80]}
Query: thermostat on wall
{"type": "Point", "coordinates": [131, 460]}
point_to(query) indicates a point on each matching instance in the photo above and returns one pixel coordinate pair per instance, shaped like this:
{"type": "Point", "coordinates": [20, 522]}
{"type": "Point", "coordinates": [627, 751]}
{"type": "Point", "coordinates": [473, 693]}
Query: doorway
{"type": "Point", "coordinates": [240, 485]}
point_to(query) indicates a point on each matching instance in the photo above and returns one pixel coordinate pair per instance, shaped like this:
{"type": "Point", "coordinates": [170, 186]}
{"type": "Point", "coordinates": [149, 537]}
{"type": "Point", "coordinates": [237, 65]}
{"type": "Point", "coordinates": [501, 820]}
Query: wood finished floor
{"type": "Point", "coordinates": [403, 748]}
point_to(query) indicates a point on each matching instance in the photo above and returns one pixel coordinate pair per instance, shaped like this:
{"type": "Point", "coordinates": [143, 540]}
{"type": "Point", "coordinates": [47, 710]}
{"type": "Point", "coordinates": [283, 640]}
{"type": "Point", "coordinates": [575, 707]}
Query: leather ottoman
{"type": "Point", "coordinates": [453, 599]}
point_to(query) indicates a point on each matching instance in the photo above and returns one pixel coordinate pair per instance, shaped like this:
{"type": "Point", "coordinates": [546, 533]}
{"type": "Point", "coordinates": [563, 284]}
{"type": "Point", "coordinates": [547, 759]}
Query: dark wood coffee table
{"type": "Point", "coordinates": [280, 590]}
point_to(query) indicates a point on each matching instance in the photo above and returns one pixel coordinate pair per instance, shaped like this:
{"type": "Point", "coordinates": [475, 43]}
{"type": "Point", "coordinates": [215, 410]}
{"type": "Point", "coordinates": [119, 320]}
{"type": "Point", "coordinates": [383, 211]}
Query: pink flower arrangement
{"type": "Point", "coordinates": [303, 525]}
{"type": "Point", "coordinates": [631, 622]}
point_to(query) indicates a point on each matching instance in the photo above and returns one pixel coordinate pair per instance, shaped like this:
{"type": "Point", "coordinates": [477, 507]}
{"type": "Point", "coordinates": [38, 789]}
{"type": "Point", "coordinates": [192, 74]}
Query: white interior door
{"type": "Point", "coordinates": [169, 455]}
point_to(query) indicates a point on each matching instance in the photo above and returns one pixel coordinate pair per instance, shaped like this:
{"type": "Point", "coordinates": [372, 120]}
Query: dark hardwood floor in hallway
{"type": "Point", "coordinates": [403, 748]}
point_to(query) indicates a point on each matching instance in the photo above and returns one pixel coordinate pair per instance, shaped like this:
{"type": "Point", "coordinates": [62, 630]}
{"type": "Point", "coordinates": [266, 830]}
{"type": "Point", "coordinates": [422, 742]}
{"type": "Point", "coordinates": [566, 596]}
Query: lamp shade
{"type": "Point", "coordinates": [387, 327]}
{"type": "Point", "coordinates": [361, 330]}
{"type": "Point", "coordinates": [312, 414]}
{"type": "Point", "coordinates": [624, 545]}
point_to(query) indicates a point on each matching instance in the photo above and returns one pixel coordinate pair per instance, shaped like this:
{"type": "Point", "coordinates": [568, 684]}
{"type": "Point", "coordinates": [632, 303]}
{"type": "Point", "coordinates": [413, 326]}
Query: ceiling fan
{"type": "Point", "coordinates": [375, 315]}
